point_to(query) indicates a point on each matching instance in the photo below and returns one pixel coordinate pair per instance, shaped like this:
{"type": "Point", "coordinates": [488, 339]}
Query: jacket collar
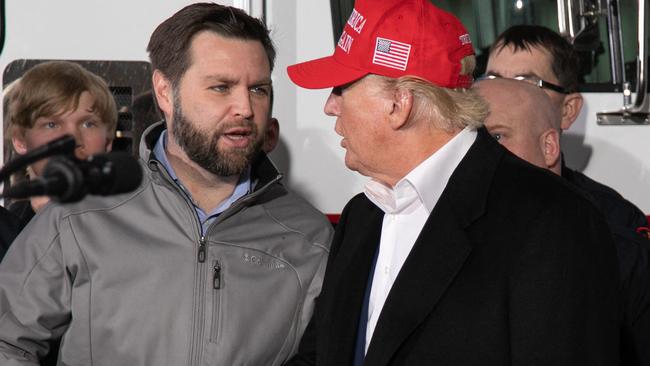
{"type": "Point", "coordinates": [263, 171]}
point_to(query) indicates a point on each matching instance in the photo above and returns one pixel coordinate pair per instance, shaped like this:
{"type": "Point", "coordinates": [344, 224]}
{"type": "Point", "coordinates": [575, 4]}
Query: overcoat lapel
{"type": "Point", "coordinates": [439, 252]}
{"type": "Point", "coordinates": [349, 275]}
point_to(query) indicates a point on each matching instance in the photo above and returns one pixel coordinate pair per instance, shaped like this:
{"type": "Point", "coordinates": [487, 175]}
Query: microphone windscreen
{"type": "Point", "coordinates": [120, 173]}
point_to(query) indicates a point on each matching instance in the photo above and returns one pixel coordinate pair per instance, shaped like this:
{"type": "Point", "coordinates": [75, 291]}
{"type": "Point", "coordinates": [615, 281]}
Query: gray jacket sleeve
{"type": "Point", "coordinates": [35, 293]}
{"type": "Point", "coordinates": [312, 293]}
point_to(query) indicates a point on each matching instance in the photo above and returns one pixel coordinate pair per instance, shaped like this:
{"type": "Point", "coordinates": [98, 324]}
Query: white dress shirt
{"type": "Point", "coordinates": [407, 207]}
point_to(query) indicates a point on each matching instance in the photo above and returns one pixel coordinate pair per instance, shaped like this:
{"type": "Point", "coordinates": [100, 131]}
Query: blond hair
{"type": "Point", "coordinates": [448, 109]}
{"type": "Point", "coordinates": [49, 88]}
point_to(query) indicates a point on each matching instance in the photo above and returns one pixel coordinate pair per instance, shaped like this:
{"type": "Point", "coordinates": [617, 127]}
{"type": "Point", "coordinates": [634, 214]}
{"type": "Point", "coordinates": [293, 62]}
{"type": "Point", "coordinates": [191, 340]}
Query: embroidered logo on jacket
{"type": "Point", "coordinates": [262, 261]}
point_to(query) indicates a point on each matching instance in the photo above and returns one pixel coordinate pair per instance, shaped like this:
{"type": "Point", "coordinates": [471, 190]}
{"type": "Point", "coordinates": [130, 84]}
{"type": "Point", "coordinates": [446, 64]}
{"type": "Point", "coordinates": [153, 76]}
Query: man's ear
{"type": "Point", "coordinates": [18, 140]}
{"type": "Point", "coordinates": [571, 107]}
{"type": "Point", "coordinates": [272, 135]}
{"type": "Point", "coordinates": [164, 93]}
{"type": "Point", "coordinates": [549, 143]}
{"type": "Point", "coordinates": [402, 104]}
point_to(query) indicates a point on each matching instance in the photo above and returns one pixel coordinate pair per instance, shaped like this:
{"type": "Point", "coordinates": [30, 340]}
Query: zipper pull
{"type": "Point", "coordinates": [216, 278]}
{"type": "Point", "coordinates": [202, 250]}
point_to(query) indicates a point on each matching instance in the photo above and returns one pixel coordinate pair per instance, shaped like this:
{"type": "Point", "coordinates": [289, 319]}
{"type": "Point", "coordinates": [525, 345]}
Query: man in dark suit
{"type": "Point", "coordinates": [524, 120]}
{"type": "Point", "coordinates": [458, 252]}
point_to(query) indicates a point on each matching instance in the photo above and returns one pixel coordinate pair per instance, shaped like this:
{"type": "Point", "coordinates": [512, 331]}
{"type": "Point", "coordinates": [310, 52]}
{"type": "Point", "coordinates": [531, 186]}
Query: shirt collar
{"type": "Point", "coordinates": [426, 182]}
{"type": "Point", "coordinates": [161, 154]}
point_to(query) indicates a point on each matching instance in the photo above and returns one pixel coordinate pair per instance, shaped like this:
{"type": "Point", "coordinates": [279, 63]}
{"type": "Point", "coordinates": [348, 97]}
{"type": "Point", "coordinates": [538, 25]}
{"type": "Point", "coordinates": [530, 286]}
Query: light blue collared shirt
{"type": "Point", "coordinates": [242, 188]}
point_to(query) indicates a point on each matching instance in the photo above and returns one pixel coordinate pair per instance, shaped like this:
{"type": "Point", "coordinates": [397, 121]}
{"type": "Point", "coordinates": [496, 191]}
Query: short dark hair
{"type": "Point", "coordinates": [169, 44]}
{"type": "Point", "coordinates": [564, 63]}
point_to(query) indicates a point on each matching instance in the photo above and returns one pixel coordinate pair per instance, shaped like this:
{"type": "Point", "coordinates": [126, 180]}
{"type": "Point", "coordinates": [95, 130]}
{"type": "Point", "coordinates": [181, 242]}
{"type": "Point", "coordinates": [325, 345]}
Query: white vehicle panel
{"type": "Point", "coordinates": [309, 151]}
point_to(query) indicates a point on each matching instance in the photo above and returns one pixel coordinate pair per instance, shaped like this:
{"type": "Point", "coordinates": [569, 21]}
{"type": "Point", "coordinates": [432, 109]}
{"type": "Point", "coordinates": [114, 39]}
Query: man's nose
{"type": "Point", "coordinates": [332, 107]}
{"type": "Point", "coordinates": [242, 106]}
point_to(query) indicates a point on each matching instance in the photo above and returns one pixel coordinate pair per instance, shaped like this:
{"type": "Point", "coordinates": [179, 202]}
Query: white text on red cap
{"type": "Point", "coordinates": [356, 21]}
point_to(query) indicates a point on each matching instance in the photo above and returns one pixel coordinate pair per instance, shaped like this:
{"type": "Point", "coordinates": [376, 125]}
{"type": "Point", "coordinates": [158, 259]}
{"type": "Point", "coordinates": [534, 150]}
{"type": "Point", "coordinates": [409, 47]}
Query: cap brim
{"type": "Point", "coordinates": [323, 73]}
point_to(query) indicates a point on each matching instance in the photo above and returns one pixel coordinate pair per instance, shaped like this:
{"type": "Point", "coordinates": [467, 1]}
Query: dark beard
{"type": "Point", "coordinates": [203, 148]}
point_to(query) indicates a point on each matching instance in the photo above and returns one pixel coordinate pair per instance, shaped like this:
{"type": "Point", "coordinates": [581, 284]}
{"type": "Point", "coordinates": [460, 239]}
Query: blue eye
{"type": "Point", "coordinates": [220, 88]}
{"type": "Point", "coordinates": [260, 90]}
{"type": "Point", "coordinates": [90, 124]}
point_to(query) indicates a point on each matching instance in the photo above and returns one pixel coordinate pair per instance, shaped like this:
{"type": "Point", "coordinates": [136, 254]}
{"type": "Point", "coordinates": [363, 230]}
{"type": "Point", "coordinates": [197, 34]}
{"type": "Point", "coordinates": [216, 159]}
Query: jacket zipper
{"type": "Point", "coordinates": [202, 249]}
{"type": "Point", "coordinates": [217, 284]}
{"type": "Point", "coordinates": [216, 275]}
{"type": "Point", "coordinates": [188, 201]}
{"type": "Point", "coordinates": [199, 311]}
{"type": "Point", "coordinates": [196, 348]}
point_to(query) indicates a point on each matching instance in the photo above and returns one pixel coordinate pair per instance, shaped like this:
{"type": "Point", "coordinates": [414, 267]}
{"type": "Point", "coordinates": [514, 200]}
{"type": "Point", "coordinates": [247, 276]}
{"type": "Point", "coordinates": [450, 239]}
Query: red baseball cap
{"type": "Point", "coordinates": [392, 38]}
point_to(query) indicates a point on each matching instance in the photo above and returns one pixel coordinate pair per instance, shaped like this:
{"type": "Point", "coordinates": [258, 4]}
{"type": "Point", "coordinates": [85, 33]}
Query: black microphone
{"type": "Point", "coordinates": [112, 173]}
{"type": "Point", "coordinates": [63, 145]}
{"type": "Point", "coordinates": [67, 179]}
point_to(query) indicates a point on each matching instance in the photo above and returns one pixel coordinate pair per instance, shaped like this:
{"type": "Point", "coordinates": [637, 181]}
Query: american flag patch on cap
{"type": "Point", "coordinates": [391, 53]}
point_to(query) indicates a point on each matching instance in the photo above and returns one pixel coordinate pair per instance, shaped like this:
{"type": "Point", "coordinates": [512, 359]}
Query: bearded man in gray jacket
{"type": "Point", "coordinates": [211, 260]}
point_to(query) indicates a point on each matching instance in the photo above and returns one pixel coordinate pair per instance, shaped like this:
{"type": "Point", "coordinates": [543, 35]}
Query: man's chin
{"type": "Point", "coordinates": [236, 161]}
{"type": "Point", "coordinates": [350, 164]}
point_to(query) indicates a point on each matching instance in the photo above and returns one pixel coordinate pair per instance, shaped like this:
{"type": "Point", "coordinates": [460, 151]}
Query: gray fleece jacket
{"type": "Point", "coordinates": [129, 280]}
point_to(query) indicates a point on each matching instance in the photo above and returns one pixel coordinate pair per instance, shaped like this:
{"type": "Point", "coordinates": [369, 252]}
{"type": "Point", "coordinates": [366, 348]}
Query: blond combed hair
{"type": "Point", "coordinates": [448, 109]}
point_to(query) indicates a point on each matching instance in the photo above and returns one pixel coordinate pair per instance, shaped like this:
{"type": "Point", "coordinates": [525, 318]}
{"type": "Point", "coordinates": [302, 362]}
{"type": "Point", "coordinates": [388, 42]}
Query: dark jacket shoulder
{"type": "Point", "coordinates": [618, 211]}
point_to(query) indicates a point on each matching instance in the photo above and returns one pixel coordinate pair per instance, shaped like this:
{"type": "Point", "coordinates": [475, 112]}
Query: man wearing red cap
{"type": "Point", "coordinates": [457, 253]}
